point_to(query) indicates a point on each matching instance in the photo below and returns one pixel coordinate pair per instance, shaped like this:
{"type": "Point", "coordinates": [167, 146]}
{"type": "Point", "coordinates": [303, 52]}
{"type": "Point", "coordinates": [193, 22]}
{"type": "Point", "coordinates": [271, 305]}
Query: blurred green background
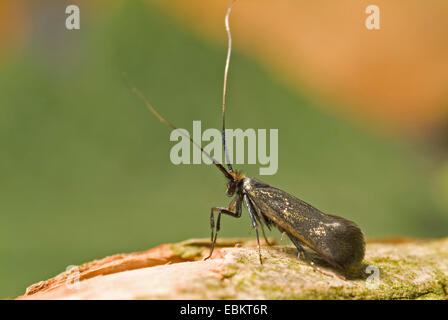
{"type": "Point", "coordinates": [85, 169]}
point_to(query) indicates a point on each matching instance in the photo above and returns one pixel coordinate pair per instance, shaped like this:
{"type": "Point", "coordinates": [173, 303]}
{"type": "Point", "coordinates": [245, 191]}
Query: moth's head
{"type": "Point", "coordinates": [232, 185]}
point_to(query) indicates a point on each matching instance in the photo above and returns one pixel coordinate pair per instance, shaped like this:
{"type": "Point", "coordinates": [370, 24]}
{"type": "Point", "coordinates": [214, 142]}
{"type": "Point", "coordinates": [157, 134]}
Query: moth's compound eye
{"type": "Point", "coordinates": [231, 188]}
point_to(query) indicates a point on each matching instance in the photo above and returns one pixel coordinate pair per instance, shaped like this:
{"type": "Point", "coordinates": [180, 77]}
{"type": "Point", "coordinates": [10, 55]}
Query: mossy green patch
{"type": "Point", "coordinates": [411, 271]}
{"type": "Point", "coordinates": [187, 252]}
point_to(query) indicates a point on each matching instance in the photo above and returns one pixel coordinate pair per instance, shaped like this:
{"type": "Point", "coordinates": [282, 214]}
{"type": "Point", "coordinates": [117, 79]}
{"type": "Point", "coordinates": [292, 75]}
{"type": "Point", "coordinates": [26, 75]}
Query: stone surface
{"type": "Point", "coordinates": [396, 269]}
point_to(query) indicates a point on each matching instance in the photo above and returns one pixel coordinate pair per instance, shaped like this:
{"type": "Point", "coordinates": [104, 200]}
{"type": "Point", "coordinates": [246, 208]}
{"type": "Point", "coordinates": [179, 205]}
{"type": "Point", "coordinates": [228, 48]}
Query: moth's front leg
{"type": "Point", "coordinates": [236, 205]}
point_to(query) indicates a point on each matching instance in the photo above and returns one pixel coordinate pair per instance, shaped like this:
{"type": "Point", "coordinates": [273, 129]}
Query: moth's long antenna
{"type": "Point", "coordinates": [224, 91]}
{"type": "Point", "coordinates": [169, 124]}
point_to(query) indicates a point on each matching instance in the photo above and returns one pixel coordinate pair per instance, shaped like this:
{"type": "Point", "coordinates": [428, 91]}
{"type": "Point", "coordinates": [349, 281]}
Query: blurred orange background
{"type": "Point", "coordinates": [395, 78]}
{"type": "Point", "coordinates": [397, 85]}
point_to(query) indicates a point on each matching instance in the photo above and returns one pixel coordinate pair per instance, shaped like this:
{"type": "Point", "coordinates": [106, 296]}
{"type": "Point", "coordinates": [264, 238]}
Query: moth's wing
{"type": "Point", "coordinates": [337, 240]}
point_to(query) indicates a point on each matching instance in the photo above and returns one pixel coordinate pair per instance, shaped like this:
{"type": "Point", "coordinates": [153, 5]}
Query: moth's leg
{"type": "Point", "coordinates": [212, 218]}
{"type": "Point", "coordinates": [254, 224]}
{"type": "Point", "coordinates": [258, 215]}
{"type": "Point", "coordinates": [235, 204]}
{"type": "Point", "coordinates": [283, 235]}
{"type": "Point", "coordinates": [264, 236]}
{"type": "Point", "coordinates": [305, 256]}
{"type": "Point", "coordinates": [299, 248]}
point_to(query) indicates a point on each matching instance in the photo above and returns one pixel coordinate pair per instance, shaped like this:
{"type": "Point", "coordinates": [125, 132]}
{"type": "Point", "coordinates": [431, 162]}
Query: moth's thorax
{"type": "Point", "coordinates": [250, 184]}
{"type": "Point", "coordinates": [247, 185]}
